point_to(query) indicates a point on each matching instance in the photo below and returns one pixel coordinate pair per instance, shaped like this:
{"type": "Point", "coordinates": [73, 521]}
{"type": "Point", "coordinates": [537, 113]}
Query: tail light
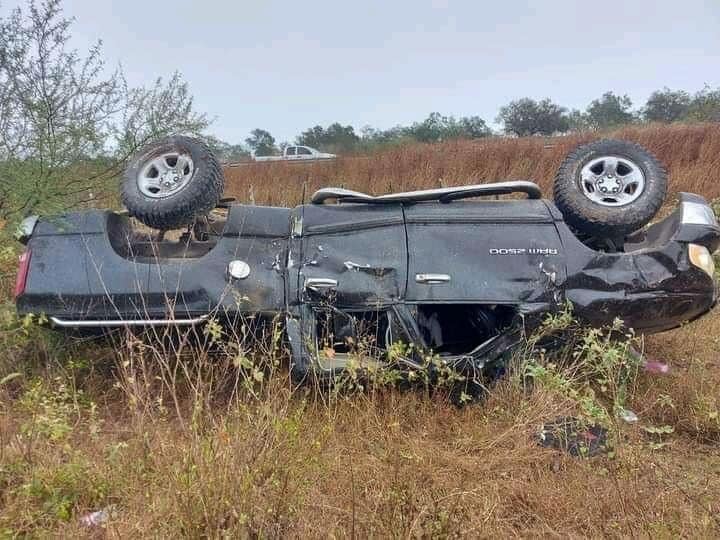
{"type": "Point", "coordinates": [26, 229]}
{"type": "Point", "coordinates": [22, 274]}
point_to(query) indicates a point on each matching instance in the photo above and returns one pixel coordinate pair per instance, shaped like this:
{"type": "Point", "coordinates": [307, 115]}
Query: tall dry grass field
{"type": "Point", "coordinates": [691, 154]}
{"type": "Point", "coordinates": [206, 437]}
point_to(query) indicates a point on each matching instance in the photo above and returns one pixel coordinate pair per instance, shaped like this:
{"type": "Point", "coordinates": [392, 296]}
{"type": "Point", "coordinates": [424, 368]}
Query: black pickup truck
{"type": "Point", "coordinates": [459, 272]}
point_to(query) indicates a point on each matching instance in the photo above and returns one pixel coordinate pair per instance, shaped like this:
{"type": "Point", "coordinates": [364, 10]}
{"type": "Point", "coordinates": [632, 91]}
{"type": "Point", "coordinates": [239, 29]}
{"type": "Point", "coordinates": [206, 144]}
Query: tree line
{"type": "Point", "coordinates": [520, 118]}
{"type": "Point", "coordinates": [339, 138]}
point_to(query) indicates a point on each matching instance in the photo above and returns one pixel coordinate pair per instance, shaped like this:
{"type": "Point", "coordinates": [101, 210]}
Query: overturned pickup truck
{"type": "Point", "coordinates": [456, 272]}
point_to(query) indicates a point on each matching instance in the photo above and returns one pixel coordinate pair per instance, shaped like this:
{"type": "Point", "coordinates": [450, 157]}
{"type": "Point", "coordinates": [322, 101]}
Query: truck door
{"type": "Point", "coordinates": [499, 252]}
{"type": "Point", "coordinates": [472, 265]}
{"type": "Point", "coordinates": [356, 253]}
{"type": "Point", "coordinates": [349, 262]}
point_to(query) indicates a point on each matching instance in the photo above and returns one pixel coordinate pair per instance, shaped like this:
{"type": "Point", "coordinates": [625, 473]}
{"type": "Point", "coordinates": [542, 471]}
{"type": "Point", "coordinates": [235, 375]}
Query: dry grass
{"type": "Point", "coordinates": [690, 152]}
{"type": "Point", "coordinates": [212, 453]}
{"type": "Point", "coordinates": [401, 464]}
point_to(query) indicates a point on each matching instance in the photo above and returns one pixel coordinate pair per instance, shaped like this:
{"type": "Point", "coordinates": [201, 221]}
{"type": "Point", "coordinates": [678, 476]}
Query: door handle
{"type": "Point", "coordinates": [432, 279]}
{"type": "Point", "coordinates": [320, 285]}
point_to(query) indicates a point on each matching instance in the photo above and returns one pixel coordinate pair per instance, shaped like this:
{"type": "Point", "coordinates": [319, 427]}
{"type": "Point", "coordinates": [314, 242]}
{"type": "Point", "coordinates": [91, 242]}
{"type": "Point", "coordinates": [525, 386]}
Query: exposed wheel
{"type": "Point", "coordinates": [172, 181]}
{"type": "Point", "coordinates": [609, 188]}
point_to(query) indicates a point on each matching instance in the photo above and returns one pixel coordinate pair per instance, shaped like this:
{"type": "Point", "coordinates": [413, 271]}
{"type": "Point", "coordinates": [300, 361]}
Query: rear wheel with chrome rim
{"type": "Point", "coordinates": [165, 174]}
{"type": "Point", "coordinates": [171, 182]}
{"type": "Point", "coordinates": [612, 181]}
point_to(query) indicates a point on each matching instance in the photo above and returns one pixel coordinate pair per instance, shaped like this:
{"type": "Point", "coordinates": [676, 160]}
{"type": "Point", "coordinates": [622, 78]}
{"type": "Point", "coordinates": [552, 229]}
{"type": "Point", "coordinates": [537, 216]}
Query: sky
{"type": "Point", "coordinates": [287, 66]}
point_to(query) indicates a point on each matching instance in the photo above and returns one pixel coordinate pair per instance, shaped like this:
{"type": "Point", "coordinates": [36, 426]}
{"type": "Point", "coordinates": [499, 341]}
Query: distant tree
{"type": "Point", "coordinates": [609, 111]}
{"type": "Point", "coordinates": [526, 116]}
{"type": "Point", "coordinates": [261, 142]}
{"type": "Point", "coordinates": [666, 106]}
{"type": "Point", "coordinates": [341, 137]}
{"type": "Point", "coordinates": [577, 121]}
{"type": "Point", "coordinates": [436, 128]}
{"type": "Point", "coordinates": [474, 127]}
{"type": "Point", "coordinates": [705, 106]}
{"type": "Point", "coordinates": [433, 129]}
{"type": "Point", "coordinates": [373, 138]}
{"type": "Point", "coordinates": [314, 137]}
{"type": "Point", "coordinates": [225, 152]}
{"type": "Point", "coordinates": [369, 133]}
{"type": "Point", "coordinates": [335, 137]}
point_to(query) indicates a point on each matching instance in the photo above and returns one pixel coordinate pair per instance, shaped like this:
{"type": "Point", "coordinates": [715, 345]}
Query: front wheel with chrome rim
{"type": "Point", "coordinates": [171, 182]}
{"type": "Point", "coordinates": [612, 181]}
{"type": "Point", "coordinates": [609, 188]}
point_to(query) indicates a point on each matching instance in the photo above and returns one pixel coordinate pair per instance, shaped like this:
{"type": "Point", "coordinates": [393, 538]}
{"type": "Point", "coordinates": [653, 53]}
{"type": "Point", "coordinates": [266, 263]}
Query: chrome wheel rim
{"type": "Point", "coordinates": [612, 181]}
{"type": "Point", "coordinates": [165, 174]}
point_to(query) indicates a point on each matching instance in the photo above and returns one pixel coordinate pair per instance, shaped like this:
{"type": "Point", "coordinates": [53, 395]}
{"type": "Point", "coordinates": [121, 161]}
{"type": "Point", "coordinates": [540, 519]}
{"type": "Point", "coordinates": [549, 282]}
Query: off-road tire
{"type": "Point", "coordinates": [590, 218]}
{"type": "Point", "coordinates": [198, 197]}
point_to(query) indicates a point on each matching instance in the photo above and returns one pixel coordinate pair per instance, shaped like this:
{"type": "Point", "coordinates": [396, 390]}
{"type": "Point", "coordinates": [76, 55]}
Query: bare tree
{"type": "Point", "coordinates": [67, 125]}
{"type": "Point", "coordinates": [57, 106]}
{"type": "Point", "coordinates": [164, 109]}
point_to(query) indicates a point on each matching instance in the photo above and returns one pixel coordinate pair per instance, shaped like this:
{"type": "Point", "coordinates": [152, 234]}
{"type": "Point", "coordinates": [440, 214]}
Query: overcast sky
{"type": "Point", "coordinates": [286, 66]}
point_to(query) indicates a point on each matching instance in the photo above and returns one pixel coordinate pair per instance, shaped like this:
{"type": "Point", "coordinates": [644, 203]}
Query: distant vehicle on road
{"type": "Point", "coordinates": [297, 153]}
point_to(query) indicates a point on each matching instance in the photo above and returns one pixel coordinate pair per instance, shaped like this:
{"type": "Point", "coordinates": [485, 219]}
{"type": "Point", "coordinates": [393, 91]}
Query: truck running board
{"type": "Point", "coordinates": [119, 323]}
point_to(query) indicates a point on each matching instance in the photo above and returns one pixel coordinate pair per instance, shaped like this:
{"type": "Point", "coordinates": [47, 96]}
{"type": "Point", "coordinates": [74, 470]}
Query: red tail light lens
{"type": "Point", "coordinates": [22, 274]}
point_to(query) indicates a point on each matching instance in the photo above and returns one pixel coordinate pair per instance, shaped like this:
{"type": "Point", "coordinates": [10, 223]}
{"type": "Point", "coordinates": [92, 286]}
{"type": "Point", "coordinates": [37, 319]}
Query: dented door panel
{"type": "Point", "coordinates": [363, 249]}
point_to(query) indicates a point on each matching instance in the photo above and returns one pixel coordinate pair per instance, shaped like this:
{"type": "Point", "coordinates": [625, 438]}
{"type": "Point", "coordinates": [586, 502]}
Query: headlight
{"type": "Point", "coordinates": [701, 257]}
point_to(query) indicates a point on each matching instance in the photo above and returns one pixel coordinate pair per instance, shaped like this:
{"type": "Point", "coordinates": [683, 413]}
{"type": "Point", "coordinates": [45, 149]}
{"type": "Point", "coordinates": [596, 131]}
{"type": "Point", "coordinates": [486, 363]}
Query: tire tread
{"type": "Point", "coordinates": [199, 197]}
{"type": "Point", "coordinates": [590, 218]}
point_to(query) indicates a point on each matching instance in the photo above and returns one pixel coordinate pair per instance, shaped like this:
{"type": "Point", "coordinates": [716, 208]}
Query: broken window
{"type": "Point", "coordinates": [359, 336]}
{"type": "Point", "coordinates": [454, 329]}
